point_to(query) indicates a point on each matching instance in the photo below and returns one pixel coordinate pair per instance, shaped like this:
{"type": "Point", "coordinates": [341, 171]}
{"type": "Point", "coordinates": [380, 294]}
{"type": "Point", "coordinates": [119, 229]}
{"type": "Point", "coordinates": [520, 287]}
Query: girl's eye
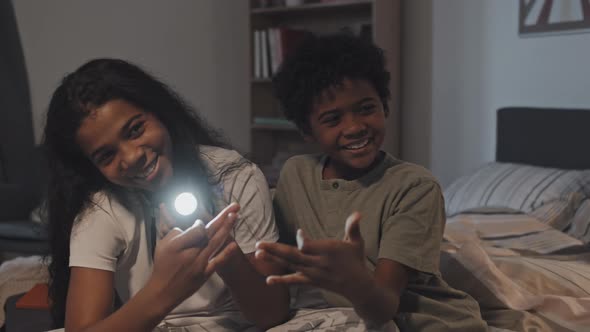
{"type": "Point", "coordinates": [136, 130]}
{"type": "Point", "coordinates": [104, 158]}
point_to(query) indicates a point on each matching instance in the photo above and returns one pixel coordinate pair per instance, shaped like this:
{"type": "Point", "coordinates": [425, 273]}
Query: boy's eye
{"type": "Point", "coordinates": [367, 108]}
{"type": "Point", "coordinates": [136, 130]}
{"type": "Point", "coordinates": [331, 120]}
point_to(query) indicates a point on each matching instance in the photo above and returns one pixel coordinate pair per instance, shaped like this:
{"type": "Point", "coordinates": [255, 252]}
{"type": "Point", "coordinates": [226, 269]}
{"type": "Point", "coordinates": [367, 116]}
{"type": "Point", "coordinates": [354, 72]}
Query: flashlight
{"type": "Point", "coordinates": [185, 204]}
{"type": "Point", "coordinates": [183, 197]}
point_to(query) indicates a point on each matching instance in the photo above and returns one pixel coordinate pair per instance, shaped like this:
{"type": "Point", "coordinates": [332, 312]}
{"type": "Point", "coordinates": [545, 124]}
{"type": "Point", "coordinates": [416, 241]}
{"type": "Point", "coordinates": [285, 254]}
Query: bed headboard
{"type": "Point", "coordinates": [549, 137]}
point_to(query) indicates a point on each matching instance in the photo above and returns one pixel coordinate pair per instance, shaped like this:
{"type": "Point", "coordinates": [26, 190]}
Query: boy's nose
{"type": "Point", "coordinates": [354, 127]}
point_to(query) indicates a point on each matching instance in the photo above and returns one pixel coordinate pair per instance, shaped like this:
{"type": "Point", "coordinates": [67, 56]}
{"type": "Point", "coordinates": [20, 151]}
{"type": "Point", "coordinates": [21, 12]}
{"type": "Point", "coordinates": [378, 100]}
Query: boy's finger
{"type": "Point", "coordinates": [289, 279]}
{"type": "Point", "coordinates": [352, 229]}
{"type": "Point", "coordinates": [289, 254]}
{"type": "Point", "coordinates": [266, 256]}
{"type": "Point", "coordinates": [300, 238]}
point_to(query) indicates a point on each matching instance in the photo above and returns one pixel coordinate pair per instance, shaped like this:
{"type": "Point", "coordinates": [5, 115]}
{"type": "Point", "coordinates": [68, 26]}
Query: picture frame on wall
{"type": "Point", "coordinates": [549, 17]}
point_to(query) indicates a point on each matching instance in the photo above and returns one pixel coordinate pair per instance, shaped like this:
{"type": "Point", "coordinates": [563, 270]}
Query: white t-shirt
{"type": "Point", "coordinates": [113, 237]}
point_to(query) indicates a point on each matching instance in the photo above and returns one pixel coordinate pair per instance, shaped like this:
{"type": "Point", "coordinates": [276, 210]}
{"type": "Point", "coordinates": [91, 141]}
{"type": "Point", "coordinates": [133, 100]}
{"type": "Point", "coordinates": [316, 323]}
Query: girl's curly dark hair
{"type": "Point", "coordinates": [321, 62]}
{"type": "Point", "coordinates": [74, 179]}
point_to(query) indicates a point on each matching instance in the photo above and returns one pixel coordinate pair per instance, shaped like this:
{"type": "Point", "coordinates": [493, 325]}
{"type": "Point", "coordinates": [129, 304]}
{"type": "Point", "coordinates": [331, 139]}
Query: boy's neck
{"type": "Point", "coordinates": [331, 170]}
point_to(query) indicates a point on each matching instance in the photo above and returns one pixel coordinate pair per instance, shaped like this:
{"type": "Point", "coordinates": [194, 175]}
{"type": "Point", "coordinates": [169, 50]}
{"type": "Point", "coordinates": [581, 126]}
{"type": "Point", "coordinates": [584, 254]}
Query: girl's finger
{"type": "Point", "coordinates": [218, 221]}
{"type": "Point", "coordinates": [174, 232]}
{"type": "Point", "coordinates": [220, 258]}
{"type": "Point", "coordinates": [194, 236]}
{"type": "Point", "coordinates": [218, 240]}
{"type": "Point", "coordinates": [165, 216]}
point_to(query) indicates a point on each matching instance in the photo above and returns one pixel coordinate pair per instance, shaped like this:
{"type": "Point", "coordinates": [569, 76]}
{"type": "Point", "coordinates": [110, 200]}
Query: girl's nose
{"type": "Point", "coordinates": [132, 157]}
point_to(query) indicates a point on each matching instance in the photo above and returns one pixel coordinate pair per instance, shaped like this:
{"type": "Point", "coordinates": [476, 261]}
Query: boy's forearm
{"type": "Point", "coordinates": [264, 305]}
{"type": "Point", "coordinates": [375, 304]}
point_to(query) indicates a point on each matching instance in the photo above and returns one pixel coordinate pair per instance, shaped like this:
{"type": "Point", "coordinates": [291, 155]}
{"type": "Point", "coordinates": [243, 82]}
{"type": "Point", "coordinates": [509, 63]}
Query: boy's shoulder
{"type": "Point", "coordinates": [400, 171]}
{"type": "Point", "coordinates": [303, 160]}
{"type": "Point", "coordinates": [301, 163]}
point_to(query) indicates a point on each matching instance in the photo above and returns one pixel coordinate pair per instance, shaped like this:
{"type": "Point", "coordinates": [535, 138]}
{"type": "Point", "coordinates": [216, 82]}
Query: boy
{"type": "Point", "coordinates": [335, 89]}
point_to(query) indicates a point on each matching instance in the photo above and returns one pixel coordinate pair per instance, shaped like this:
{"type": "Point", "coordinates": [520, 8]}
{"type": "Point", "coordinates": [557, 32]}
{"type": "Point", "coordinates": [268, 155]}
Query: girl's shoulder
{"type": "Point", "coordinates": [216, 157]}
{"type": "Point", "coordinates": [112, 204]}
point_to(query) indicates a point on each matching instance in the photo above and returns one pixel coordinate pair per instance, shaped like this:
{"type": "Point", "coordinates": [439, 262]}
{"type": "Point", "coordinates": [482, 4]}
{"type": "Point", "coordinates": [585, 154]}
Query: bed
{"type": "Point", "coordinates": [518, 229]}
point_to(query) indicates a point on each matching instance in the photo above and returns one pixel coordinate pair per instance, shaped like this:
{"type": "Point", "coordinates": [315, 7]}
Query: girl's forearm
{"type": "Point", "coordinates": [141, 313]}
{"type": "Point", "coordinates": [264, 305]}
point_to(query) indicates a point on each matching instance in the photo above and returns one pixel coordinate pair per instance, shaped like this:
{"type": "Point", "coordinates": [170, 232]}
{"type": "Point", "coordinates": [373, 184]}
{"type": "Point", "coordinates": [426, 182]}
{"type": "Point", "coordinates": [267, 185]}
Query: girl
{"type": "Point", "coordinates": [118, 140]}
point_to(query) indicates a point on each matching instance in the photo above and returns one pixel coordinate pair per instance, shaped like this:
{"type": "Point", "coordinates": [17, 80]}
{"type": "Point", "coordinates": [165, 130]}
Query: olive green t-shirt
{"type": "Point", "coordinates": [402, 219]}
{"type": "Point", "coordinates": [401, 207]}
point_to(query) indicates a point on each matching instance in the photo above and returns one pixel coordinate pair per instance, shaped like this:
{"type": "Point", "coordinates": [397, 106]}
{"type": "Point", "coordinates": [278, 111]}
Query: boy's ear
{"type": "Point", "coordinates": [385, 108]}
{"type": "Point", "coordinates": [308, 138]}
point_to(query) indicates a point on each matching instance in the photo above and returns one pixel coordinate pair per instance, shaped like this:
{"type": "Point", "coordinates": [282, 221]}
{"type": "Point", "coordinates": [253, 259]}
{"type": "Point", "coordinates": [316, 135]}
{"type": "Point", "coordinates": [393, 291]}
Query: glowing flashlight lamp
{"type": "Point", "coordinates": [185, 204]}
{"type": "Point", "coordinates": [182, 199]}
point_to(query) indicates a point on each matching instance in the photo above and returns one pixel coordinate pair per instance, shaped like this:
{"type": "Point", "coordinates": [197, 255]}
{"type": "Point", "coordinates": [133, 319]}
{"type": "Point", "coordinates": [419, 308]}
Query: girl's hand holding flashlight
{"type": "Point", "coordinates": [184, 260]}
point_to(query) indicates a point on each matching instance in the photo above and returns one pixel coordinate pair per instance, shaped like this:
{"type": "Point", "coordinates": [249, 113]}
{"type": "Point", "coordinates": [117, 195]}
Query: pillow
{"type": "Point", "coordinates": [518, 187]}
{"type": "Point", "coordinates": [560, 212]}
{"type": "Point", "coordinates": [580, 224]}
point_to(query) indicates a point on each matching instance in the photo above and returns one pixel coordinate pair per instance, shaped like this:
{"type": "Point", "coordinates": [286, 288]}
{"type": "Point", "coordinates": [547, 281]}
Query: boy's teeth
{"type": "Point", "coordinates": [358, 145]}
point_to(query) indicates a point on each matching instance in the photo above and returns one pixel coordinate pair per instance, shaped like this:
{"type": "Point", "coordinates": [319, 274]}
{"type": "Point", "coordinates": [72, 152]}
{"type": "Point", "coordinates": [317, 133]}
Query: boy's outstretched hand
{"type": "Point", "coordinates": [335, 265]}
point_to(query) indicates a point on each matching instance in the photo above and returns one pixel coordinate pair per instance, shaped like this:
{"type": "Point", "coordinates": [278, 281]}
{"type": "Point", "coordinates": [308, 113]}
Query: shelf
{"type": "Point", "coordinates": [272, 127]}
{"type": "Point", "coordinates": [344, 4]}
{"type": "Point", "coordinates": [261, 80]}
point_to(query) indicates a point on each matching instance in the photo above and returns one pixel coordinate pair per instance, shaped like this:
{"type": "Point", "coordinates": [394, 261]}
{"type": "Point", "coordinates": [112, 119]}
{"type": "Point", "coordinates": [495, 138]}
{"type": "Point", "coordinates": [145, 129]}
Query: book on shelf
{"type": "Point", "coordinates": [265, 56]}
{"type": "Point", "coordinates": [257, 55]}
{"type": "Point", "coordinates": [271, 46]}
{"type": "Point", "coordinates": [270, 121]}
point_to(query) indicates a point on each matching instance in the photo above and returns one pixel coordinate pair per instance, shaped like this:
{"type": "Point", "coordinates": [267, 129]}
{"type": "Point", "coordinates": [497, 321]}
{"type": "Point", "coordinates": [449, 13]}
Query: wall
{"type": "Point", "coordinates": [198, 47]}
{"type": "Point", "coordinates": [479, 64]}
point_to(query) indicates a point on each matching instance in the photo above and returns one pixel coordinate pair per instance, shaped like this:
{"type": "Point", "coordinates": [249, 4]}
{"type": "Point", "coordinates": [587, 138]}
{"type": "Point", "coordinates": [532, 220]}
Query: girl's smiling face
{"type": "Point", "coordinates": [348, 123]}
{"type": "Point", "coordinates": [129, 146]}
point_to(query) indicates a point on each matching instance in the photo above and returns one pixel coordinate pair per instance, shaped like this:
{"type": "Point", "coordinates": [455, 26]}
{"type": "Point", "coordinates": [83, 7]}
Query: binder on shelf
{"type": "Point", "coordinates": [281, 42]}
{"type": "Point", "coordinates": [257, 55]}
{"type": "Point", "coordinates": [265, 55]}
{"type": "Point", "coordinates": [270, 121]}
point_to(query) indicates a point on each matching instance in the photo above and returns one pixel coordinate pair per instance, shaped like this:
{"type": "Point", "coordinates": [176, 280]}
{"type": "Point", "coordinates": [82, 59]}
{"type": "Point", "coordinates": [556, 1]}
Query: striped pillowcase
{"type": "Point", "coordinates": [517, 187]}
{"type": "Point", "coordinates": [580, 224]}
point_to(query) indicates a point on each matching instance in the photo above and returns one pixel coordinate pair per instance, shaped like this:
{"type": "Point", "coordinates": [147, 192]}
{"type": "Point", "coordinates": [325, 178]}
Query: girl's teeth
{"type": "Point", "coordinates": [148, 171]}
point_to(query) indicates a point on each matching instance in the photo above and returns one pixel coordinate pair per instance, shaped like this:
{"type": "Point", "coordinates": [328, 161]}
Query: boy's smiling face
{"type": "Point", "coordinates": [347, 121]}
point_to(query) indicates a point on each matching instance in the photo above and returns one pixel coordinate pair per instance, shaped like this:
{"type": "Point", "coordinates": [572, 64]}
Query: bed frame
{"type": "Point", "coordinates": [548, 137]}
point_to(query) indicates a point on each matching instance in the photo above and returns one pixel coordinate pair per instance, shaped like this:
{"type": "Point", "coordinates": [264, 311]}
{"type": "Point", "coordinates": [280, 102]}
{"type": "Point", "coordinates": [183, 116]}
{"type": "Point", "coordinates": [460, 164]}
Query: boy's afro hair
{"type": "Point", "coordinates": [321, 62]}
